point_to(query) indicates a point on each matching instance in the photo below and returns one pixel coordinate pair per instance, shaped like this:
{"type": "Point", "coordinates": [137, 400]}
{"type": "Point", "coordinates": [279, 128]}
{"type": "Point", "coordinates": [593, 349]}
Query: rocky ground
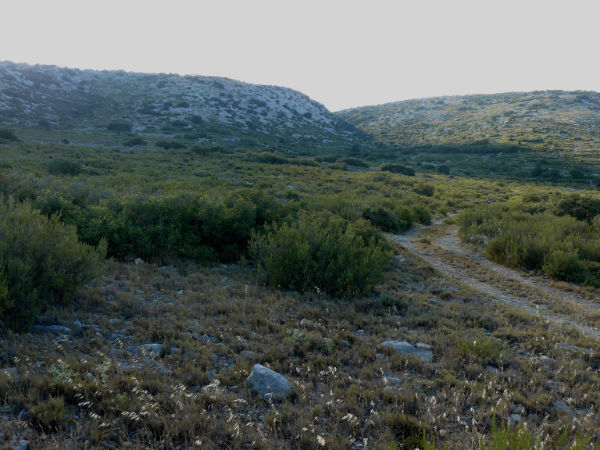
{"type": "Point", "coordinates": [179, 357]}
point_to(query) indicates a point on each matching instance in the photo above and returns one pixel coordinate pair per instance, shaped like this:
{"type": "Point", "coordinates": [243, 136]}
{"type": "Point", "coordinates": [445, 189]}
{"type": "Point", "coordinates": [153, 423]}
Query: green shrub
{"type": "Point", "coordinates": [353, 161]}
{"type": "Point", "coordinates": [7, 135]}
{"type": "Point", "coordinates": [424, 189]}
{"type": "Point", "coordinates": [421, 215]}
{"type": "Point", "coordinates": [405, 218]}
{"type": "Point", "coordinates": [134, 141]}
{"type": "Point", "coordinates": [168, 145]}
{"type": "Point", "coordinates": [398, 168]}
{"type": "Point", "coordinates": [582, 208]}
{"type": "Point", "coordinates": [64, 167]}
{"type": "Point", "coordinates": [41, 263]}
{"type": "Point", "coordinates": [443, 169]}
{"type": "Point", "coordinates": [50, 415]}
{"type": "Point", "coordinates": [383, 219]}
{"type": "Point", "coordinates": [120, 126]}
{"type": "Point", "coordinates": [166, 228]}
{"type": "Point", "coordinates": [321, 252]}
{"type": "Point", "coordinates": [562, 263]}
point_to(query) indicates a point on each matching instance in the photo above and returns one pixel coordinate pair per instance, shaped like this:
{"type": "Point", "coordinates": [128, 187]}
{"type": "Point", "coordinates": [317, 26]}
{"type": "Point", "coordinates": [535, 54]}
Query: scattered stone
{"type": "Point", "coordinates": [420, 350]}
{"type": "Point", "coordinates": [518, 409]}
{"type": "Point", "coordinates": [360, 333]}
{"type": "Point", "coordinates": [546, 361]}
{"type": "Point", "coordinates": [180, 292]}
{"type": "Point", "coordinates": [392, 381]}
{"type": "Point", "coordinates": [269, 384]}
{"type": "Point", "coordinates": [209, 339]}
{"type": "Point", "coordinates": [492, 369]}
{"type": "Point", "coordinates": [23, 445]}
{"type": "Point", "coordinates": [138, 261]}
{"type": "Point", "coordinates": [515, 418]}
{"type": "Point", "coordinates": [50, 329]}
{"type": "Point", "coordinates": [24, 415]}
{"type": "Point", "coordinates": [78, 326]}
{"type": "Point", "coordinates": [572, 348]}
{"type": "Point", "coordinates": [563, 407]}
{"type": "Point", "coordinates": [10, 372]}
{"type": "Point", "coordinates": [150, 349]}
{"type": "Point", "coordinates": [306, 323]}
{"type": "Point", "coordinates": [172, 350]}
{"type": "Point", "coordinates": [40, 364]}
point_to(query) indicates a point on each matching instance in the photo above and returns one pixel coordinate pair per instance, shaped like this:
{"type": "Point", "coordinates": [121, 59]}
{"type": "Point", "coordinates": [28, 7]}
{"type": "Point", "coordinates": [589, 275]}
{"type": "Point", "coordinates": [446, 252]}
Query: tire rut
{"type": "Point", "coordinates": [449, 242]}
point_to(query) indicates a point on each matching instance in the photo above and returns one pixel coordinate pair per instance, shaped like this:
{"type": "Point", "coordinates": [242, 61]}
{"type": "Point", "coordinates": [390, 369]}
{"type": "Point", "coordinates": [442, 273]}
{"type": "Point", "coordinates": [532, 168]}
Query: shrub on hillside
{"type": "Point", "coordinates": [382, 218]}
{"type": "Point", "coordinates": [41, 263]}
{"type": "Point", "coordinates": [120, 126]}
{"type": "Point", "coordinates": [322, 252]}
{"type": "Point", "coordinates": [421, 215]}
{"type": "Point", "coordinates": [64, 167]}
{"type": "Point", "coordinates": [398, 168]}
{"type": "Point", "coordinates": [167, 145]}
{"type": "Point", "coordinates": [562, 263]}
{"type": "Point", "coordinates": [7, 135]}
{"type": "Point", "coordinates": [582, 208]}
{"type": "Point", "coordinates": [136, 140]}
{"type": "Point", "coordinates": [424, 189]}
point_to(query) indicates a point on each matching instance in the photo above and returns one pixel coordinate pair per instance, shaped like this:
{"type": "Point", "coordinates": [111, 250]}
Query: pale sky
{"type": "Point", "coordinates": [342, 53]}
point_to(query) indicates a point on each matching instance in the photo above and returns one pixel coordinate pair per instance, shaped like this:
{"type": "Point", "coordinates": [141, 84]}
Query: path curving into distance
{"type": "Point", "coordinates": [448, 256]}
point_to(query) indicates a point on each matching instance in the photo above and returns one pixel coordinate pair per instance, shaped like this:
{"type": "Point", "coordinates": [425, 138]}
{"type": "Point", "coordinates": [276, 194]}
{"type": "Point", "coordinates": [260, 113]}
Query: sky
{"type": "Point", "coordinates": [341, 53]}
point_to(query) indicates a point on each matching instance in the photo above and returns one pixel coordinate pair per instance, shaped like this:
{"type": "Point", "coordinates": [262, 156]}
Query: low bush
{"type": "Point", "coordinates": [120, 126]}
{"type": "Point", "coordinates": [64, 167]}
{"type": "Point", "coordinates": [424, 189]}
{"type": "Point", "coordinates": [8, 135]}
{"type": "Point", "coordinates": [42, 263]}
{"type": "Point", "coordinates": [383, 219]}
{"type": "Point", "coordinates": [134, 141]}
{"type": "Point", "coordinates": [168, 145]}
{"type": "Point", "coordinates": [321, 252]}
{"type": "Point", "coordinates": [353, 161]}
{"type": "Point", "coordinates": [582, 208]}
{"type": "Point", "coordinates": [421, 215]}
{"type": "Point", "coordinates": [527, 236]}
{"type": "Point", "coordinates": [398, 168]}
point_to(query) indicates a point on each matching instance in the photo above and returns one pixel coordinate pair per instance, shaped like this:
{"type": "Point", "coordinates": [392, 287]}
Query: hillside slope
{"type": "Point", "coordinates": [543, 119]}
{"type": "Point", "coordinates": [196, 108]}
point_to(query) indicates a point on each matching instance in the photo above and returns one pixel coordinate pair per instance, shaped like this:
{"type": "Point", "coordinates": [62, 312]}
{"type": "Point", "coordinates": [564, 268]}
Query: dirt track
{"type": "Point", "coordinates": [444, 252]}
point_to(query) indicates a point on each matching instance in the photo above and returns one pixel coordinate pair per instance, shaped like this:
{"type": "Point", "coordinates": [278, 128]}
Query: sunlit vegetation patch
{"type": "Point", "coordinates": [42, 263]}
{"type": "Point", "coordinates": [557, 235]}
{"type": "Point", "coordinates": [321, 252]}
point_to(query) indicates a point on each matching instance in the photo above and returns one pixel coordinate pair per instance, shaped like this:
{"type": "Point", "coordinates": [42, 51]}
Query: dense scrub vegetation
{"type": "Point", "coordinates": [183, 207]}
{"type": "Point", "coordinates": [321, 252]}
{"type": "Point", "coordinates": [42, 263]}
{"type": "Point", "coordinates": [557, 235]}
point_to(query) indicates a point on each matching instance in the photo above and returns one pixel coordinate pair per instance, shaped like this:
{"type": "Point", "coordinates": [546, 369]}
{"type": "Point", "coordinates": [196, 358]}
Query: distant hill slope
{"type": "Point", "coordinates": [193, 107]}
{"type": "Point", "coordinates": [543, 119]}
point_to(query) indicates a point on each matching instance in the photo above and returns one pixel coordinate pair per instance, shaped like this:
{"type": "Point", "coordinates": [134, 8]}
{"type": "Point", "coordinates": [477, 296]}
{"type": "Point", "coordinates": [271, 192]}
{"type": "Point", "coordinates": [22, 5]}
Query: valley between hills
{"type": "Point", "coordinates": [197, 262]}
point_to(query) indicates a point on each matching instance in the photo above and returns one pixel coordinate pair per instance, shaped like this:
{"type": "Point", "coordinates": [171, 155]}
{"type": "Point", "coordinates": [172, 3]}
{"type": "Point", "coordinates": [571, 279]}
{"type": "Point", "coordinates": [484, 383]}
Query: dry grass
{"type": "Point", "coordinates": [349, 393]}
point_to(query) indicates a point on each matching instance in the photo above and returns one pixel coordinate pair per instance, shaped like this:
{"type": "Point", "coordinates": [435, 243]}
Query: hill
{"type": "Point", "coordinates": [547, 136]}
{"type": "Point", "coordinates": [550, 119]}
{"type": "Point", "coordinates": [101, 106]}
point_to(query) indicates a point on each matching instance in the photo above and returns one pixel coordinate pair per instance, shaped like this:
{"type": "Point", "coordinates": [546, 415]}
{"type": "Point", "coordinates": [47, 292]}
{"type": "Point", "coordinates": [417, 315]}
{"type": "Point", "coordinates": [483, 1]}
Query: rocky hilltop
{"type": "Point", "coordinates": [193, 107]}
{"type": "Point", "coordinates": [550, 119]}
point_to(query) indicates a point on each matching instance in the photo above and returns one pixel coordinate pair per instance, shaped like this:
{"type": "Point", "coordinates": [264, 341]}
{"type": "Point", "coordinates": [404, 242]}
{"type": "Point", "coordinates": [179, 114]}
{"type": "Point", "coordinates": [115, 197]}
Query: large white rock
{"type": "Point", "coordinates": [269, 383]}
